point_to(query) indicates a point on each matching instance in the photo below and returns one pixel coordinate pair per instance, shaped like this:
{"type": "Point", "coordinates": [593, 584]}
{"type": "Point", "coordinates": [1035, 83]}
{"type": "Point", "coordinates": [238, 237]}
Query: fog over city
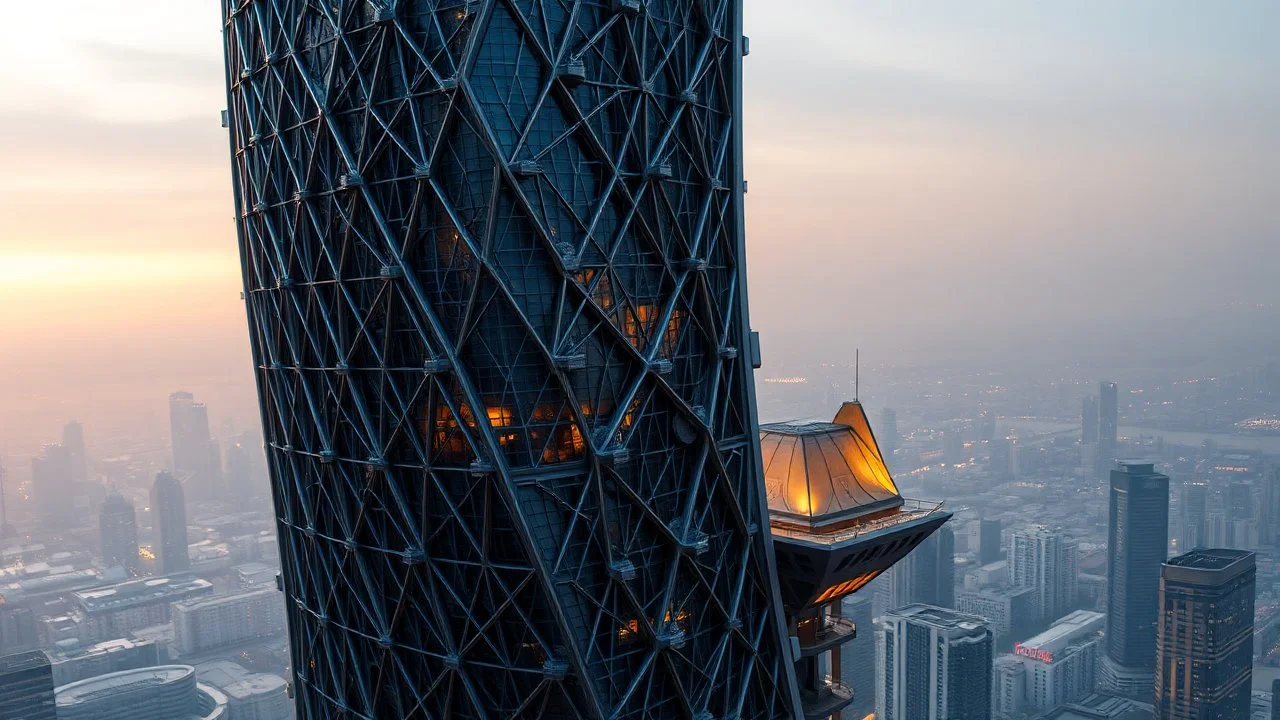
{"type": "Point", "coordinates": [1037, 243]}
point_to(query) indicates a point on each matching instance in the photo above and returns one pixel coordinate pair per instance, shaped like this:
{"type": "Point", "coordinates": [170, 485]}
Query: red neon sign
{"type": "Point", "coordinates": [1043, 656]}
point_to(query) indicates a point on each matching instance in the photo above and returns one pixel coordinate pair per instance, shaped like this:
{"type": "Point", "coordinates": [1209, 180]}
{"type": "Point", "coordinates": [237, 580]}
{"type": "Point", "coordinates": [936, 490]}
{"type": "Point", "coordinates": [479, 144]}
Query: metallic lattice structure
{"type": "Point", "coordinates": [493, 266]}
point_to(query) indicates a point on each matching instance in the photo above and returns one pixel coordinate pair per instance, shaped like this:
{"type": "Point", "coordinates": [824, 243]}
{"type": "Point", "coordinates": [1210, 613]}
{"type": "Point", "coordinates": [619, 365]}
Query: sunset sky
{"type": "Point", "coordinates": [914, 167]}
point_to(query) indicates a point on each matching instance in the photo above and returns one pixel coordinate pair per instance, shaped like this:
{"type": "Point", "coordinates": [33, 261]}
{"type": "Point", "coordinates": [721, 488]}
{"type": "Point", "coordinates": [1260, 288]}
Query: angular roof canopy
{"type": "Point", "coordinates": [820, 474]}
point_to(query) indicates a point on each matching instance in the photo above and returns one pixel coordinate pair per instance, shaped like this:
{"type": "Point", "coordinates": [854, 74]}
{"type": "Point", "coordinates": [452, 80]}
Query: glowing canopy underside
{"type": "Point", "coordinates": [824, 473]}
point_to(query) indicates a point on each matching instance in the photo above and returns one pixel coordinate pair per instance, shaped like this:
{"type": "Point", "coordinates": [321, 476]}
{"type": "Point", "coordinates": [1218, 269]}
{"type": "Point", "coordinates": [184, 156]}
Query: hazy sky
{"type": "Point", "coordinates": [916, 169]}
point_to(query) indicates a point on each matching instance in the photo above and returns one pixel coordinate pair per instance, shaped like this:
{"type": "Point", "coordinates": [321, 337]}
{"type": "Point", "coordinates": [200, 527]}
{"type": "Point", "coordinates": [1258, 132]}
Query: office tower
{"type": "Point", "coordinates": [1010, 611]}
{"type": "Point", "coordinates": [53, 487]}
{"type": "Point", "coordinates": [933, 664]}
{"type": "Point", "coordinates": [26, 687]}
{"type": "Point", "coordinates": [77, 457]}
{"type": "Point", "coordinates": [986, 426]}
{"type": "Point", "coordinates": [118, 528]}
{"type": "Point", "coordinates": [927, 575]}
{"type": "Point", "coordinates": [1137, 545]}
{"type": "Point", "coordinates": [989, 541]}
{"type": "Point", "coordinates": [1275, 699]}
{"type": "Point", "coordinates": [169, 525]}
{"type": "Point", "coordinates": [1048, 561]}
{"type": "Point", "coordinates": [204, 624]}
{"type": "Point", "coordinates": [1000, 462]}
{"type": "Point", "coordinates": [1269, 506]}
{"type": "Point", "coordinates": [1204, 641]}
{"type": "Point", "coordinates": [1089, 420]}
{"type": "Point", "coordinates": [888, 435]}
{"type": "Point", "coordinates": [494, 270]}
{"type": "Point", "coordinates": [1194, 511]}
{"type": "Point", "coordinates": [859, 657]}
{"type": "Point", "coordinates": [195, 454]}
{"type": "Point", "coordinates": [6, 530]}
{"type": "Point", "coordinates": [1061, 663]}
{"type": "Point", "coordinates": [1108, 425]}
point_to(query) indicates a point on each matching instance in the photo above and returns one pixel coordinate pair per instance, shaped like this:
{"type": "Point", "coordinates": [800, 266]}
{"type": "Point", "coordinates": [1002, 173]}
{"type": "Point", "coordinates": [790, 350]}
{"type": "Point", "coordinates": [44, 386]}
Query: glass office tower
{"type": "Point", "coordinates": [493, 269]}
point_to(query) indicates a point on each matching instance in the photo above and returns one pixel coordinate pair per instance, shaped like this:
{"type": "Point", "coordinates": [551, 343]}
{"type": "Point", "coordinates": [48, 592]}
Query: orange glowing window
{"type": "Point", "coordinates": [500, 417]}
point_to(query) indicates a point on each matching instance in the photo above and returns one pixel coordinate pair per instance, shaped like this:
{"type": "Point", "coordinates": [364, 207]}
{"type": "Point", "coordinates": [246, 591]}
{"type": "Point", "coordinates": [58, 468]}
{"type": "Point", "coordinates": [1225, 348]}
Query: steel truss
{"type": "Point", "coordinates": [493, 269]}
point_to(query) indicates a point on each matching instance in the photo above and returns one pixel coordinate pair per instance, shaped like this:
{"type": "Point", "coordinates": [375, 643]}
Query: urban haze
{"type": "Point", "coordinates": [640, 359]}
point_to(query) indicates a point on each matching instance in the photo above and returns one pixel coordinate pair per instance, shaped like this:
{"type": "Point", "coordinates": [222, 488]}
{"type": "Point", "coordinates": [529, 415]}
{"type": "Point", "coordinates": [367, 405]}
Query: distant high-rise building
{"type": "Point", "coordinates": [26, 687]}
{"type": "Point", "coordinates": [1275, 699]}
{"type": "Point", "coordinates": [859, 657]}
{"type": "Point", "coordinates": [1108, 424]}
{"type": "Point", "coordinates": [986, 426]}
{"type": "Point", "coordinates": [53, 487]}
{"type": "Point", "coordinates": [888, 438]}
{"type": "Point", "coordinates": [6, 530]}
{"type": "Point", "coordinates": [1269, 506]}
{"type": "Point", "coordinates": [1194, 510]}
{"type": "Point", "coordinates": [1137, 545]}
{"type": "Point", "coordinates": [927, 575]}
{"type": "Point", "coordinates": [169, 525]}
{"type": "Point", "coordinates": [933, 664]}
{"type": "Point", "coordinates": [1000, 462]}
{"type": "Point", "coordinates": [988, 541]}
{"type": "Point", "coordinates": [1061, 662]}
{"type": "Point", "coordinates": [1204, 641]}
{"type": "Point", "coordinates": [196, 459]}
{"type": "Point", "coordinates": [1089, 420]}
{"type": "Point", "coordinates": [118, 528]}
{"type": "Point", "coordinates": [1011, 611]}
{"type": "Point", "coordinates": [1049, 561]}
{"type": "Point", "coordinates": [77, 457]}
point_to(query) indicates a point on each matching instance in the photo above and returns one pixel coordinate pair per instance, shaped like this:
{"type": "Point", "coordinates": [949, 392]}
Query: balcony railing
{"type": "Point", "coordinates": [828, 700]}
{"type": "Point", "coordinates": [910, 511]}
{"type": "Point", "coordinates": [834, 631]}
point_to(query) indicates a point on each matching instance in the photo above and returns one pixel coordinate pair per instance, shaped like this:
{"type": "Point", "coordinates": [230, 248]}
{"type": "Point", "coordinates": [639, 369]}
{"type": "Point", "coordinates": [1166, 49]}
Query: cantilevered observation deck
{"type": "Point", "coordinates": [838, 521]}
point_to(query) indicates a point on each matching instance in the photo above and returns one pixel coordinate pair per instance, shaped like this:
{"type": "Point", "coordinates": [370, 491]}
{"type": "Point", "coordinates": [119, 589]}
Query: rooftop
{"type": "Point", "coordinates": [138, 592]}
{"type": "Point", "coordinates": [940, 618]}
{"type": "Point", "coordinates": [23, 661]}
{"type": "Point", "coordinates": [120, 683]}
{"type": "Point", "coordinates": [254, 685]}
{"type": "Point", "coordinates": [1209, 559]}
{"type": "Point", "coordinates": [819, 473]}
{"type": "Point", "coordinates": [1080, 622]}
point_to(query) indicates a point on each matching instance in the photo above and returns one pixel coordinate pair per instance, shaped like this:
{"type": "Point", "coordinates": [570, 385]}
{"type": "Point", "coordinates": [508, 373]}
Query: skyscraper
{"type": "Point", "coordinates": [195, 453]}
{"type": "Point", "coordinates": [53, 487]}
{"type": "Point", "coordinates": [859, 656]}
{"type": "Point", "coordinates": [169, 525]}
{"type": "Point", "coordinates": [1108, 425]}
{"type": "Point", "coordinates": [989, 541]}
{"type": "Point", "coordinates": [118, 528]}
{"type": "Point", "coordinates": [1089, 420]}
{"type": "Point", "coordinates": [1204, 643]}
{"type": "Point", "coordinates": [927, 575]}
{"type": "Point", "coordinates": [933, 664]}
{"type": "Point", "coordinates": [1269, 506]}
{"type": "Point", "coordinates": [494, 271]}
{"type": "Point", "coordinates": [888, 435]}
{"type": "Point", "coordinates": [77, 457]}
{"type": "Point", "coordinates": [1137, 545]}
{"type": "Point", "coordinates": [1049, 561]}
{"type": "Point", "coordinates": [26, 687]}
{"type": "Point", "coordinates": [1194, 513]}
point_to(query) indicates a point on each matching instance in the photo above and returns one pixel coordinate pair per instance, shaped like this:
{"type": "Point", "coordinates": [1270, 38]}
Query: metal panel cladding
{"type": "Point", "coordinates": [493, 270]}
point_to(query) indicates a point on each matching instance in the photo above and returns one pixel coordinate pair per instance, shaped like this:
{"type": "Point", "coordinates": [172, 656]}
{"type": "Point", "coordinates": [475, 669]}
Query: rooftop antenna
{"type": "Point", "coordinates": [857, 367]}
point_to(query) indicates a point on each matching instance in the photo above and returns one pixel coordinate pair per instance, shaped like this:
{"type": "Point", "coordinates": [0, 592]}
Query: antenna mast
{"type": "Point", "coordinates": [857, 368]}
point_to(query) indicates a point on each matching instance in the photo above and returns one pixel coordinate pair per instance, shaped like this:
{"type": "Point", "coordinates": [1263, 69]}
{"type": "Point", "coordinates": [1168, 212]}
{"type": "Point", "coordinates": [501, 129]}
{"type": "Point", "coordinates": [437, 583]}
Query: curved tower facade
{"type": "Point", "coordinates": [493, 268]}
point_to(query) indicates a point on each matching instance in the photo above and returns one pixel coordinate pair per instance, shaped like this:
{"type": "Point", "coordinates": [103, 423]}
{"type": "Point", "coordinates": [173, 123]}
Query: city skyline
{"type": "Point", "coordinates": [909, 123]}
{"type": "Point", "coordinates": [507, 435]}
